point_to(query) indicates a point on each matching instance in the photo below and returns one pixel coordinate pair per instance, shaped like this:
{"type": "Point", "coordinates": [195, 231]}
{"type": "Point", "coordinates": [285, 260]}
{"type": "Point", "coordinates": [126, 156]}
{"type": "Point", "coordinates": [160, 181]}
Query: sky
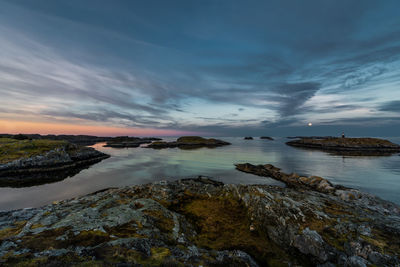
{"type": "Point", "coordinates": [212, 68]}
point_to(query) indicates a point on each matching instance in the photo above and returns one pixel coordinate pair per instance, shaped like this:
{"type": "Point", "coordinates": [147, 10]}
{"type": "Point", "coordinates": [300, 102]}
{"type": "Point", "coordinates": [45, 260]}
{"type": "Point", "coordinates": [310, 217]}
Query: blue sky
{"type": "Point", "coordinates": [210, 67]}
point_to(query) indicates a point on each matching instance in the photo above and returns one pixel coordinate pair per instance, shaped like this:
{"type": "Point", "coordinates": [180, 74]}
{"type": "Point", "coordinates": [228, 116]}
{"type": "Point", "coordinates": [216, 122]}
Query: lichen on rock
{"type": "Point", "coordinates": [194, 222]}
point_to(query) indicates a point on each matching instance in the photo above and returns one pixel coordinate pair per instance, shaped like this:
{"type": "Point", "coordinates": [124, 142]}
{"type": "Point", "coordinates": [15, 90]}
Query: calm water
{"type": "Point", "coordinates": [377, 175]}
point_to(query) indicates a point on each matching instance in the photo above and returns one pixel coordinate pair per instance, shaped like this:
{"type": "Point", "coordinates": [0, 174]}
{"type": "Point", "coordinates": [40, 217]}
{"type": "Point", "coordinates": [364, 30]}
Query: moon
{"type": "Point", "coordinates": [309, 124]}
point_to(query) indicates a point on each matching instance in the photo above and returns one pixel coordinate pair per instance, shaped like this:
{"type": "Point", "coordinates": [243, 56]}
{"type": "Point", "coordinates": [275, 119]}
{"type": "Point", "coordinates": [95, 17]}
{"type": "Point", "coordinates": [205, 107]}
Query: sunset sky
{"type": "Point", "coordinates": [200, 67]}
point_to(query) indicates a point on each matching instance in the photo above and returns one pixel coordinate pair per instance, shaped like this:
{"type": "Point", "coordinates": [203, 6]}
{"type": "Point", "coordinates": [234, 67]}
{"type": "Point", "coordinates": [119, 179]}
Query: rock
{"type": "Point", "coordinates": [351, 146]}
{"type": "Point", "coordinates": [313, 182]}
{"type": "Point", "coordinates": [267, 138]}
{"type": "Point", "coordinates": [355, 261]}
{"type": "Point", "coordinates": [54, 161]}
{"type": "Point", "coordinates": [310, 242]}
{"type": "Point", "coordinates": [248, 138]}
{"type": "Point", "coordinates": [126, 141]}
{"type": "Point", "coordinates": [194, 222]}
{"type": "Point", "coordinates": [189, 142]}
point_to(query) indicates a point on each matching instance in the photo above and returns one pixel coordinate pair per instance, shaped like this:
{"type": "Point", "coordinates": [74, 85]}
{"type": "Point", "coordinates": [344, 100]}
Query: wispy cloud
{"type": "Point", "coordinates": [228, 69]}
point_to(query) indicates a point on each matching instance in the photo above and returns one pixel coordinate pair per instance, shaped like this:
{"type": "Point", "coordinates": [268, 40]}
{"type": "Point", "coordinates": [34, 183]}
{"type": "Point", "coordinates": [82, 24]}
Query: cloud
{"type": "Point", "coordinates": [362, 76]}
{"type": "Point", "coordinates": [392, 106]}
{"type": "Point", "coordinates": [215, 66]}
{"type": "Point", "coordinates": [37, 77]}
{"type": "Point", "coordinates": [293, 96]}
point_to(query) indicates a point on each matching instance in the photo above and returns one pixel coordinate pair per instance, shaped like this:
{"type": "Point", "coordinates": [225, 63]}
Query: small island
{"type": "Point", "coordinates": [25, 161]}
{"type": "Point", "coordinates": [267, 138]}
{"type": "Point", "coordinates": [189, 142]}
{"type": "Point", "coordinates": [126, 141]}
{"type": "Point", "coordinates": [355, 145]}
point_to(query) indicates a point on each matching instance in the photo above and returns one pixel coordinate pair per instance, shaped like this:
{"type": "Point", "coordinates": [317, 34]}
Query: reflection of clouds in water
{"type": "Point", "coordinates": [392, 165]}
{"type": "Point", "coordinates": [378, 175]}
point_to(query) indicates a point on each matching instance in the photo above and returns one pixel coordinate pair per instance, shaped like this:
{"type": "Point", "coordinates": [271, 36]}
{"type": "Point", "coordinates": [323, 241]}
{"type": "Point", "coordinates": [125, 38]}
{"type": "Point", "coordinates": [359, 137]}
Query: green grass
{"type": "Point", "coordinates": [12, 149]}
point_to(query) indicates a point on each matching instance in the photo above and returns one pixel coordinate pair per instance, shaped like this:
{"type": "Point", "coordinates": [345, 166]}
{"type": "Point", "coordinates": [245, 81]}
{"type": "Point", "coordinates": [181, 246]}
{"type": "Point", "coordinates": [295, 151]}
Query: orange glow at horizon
{"type": "Point", "coordinates": [24, 127]}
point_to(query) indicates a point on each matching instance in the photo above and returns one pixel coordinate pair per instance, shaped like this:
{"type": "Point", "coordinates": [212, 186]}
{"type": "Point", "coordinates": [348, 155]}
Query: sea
{"type": "Point", "coordinates": [378, 175]}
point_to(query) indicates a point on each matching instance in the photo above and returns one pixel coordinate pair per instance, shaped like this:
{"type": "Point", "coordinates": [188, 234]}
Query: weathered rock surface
{"type": "Point", "coordinates": [66, 158]}
{"type": "Point", "coordinates": [196, 222]}
{"type": "Point", "coordinates": [126, 141]}
{"type": "Point", "coordinates": [356, 146]}
{"type": "Point", "coordinates": [189, 142]}
{"type": "Point", "coordinates": [292, 180]}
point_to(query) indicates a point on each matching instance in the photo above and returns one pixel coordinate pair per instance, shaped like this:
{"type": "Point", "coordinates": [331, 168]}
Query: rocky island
{"type": "Point", "coordinates": [126, 141]}
{"type": "Point", "coordinates": [189, 142]}
{"type": "Point", "coordinates": [194, 222]}
{"type": "Point", "coordinates": [355, 145]}
{"type": "Point", "coordinates": [267, 138]}
{"type": "Point", "coordinates": [30, 162]}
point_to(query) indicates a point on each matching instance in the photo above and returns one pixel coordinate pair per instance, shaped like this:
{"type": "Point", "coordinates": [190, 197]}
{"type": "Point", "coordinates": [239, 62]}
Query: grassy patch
{"type": "Point", "coordinates": [126, 230]}
{"type": "Point", "coordinates": [12, 231]}
{"type": "Point", "coordinates": [88, 238]}
{"type": "Point", "coordinates": [12, 149]}
{"type": "Point", "coordinates": [162, 222]}
{"type": "Point", "coordinates": [44, 240]}
{"type": "Point", "coordinates": [222, 224]}
{"type": "Point", "coordinates": [159, 256]}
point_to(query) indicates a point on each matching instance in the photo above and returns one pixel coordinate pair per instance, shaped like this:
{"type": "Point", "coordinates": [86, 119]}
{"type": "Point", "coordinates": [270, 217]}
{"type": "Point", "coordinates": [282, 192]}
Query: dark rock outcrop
{"type": "Point", "coordinates": [85, 140]}
{"type": "Point", "coordinates": [310, 137]}
{"type": "Point", "coordinates": [267, 138]}
{"type": "Point", "coordinates": [356, 146]}
{"type": "Point", "coordinates": [60, 162]}
{"type": "Point", "coordinates": [195, 222]}
{"type": "Point", "coordinates": [248, 138]}
{"type": "Point", "coordinates": [293, 180]}
{"type": "Point", "coordinates": [189, 142]}
{"type": "Point", "coordinates": [126, 141]}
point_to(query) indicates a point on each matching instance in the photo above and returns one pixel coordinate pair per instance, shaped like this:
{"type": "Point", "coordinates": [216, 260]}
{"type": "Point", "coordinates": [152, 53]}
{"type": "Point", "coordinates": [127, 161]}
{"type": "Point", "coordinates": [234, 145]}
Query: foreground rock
{"type": "Point", "coordinates": [356, 145]}
{"type": "Point", "coordinates": [126, 141]}
{"type": "Point", "coordinates": [189, 142]}
{"type": "Point", "coordinates": [37, 161]}
{"type": "Point", "coordinates": [196, 222]}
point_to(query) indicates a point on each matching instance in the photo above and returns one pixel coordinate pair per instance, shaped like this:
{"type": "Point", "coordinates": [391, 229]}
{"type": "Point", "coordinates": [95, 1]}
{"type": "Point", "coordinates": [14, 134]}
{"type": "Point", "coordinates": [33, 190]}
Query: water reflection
{"type": "Point", "coordinates": [377, 175]}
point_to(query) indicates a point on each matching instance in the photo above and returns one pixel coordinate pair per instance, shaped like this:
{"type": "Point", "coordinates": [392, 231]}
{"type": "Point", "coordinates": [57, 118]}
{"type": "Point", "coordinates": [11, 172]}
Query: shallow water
{"type": "Point", "coordinates": [130, 166]}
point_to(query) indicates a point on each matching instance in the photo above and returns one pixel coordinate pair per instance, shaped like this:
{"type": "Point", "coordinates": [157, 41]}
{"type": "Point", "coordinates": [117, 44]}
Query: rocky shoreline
{"type": "Point", "coordinates": [84, 140]}
{"type": "Point", "coordinates": [194, 222]}
{"type": "Point", "coordinates": [360, 146]}
{"type": "Point", "coordinates": [53, 165]}
{"type": "Point", "coordinates": [189, 142]}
